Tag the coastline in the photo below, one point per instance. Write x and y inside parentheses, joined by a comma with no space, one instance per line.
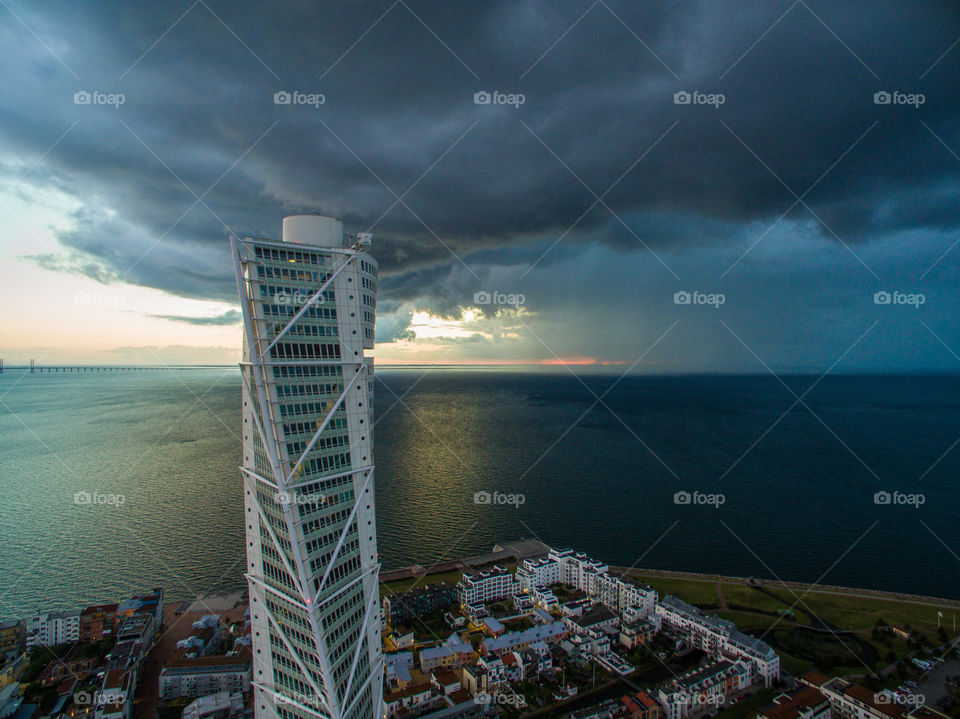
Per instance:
(526,548)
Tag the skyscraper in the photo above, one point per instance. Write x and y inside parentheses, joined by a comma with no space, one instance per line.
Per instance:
(312,565)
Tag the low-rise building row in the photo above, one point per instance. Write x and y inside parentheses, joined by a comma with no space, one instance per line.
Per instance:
(718,637)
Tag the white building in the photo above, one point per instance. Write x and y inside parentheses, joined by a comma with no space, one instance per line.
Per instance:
(593,632)
(849,700)
(453,653)
(512,641)
(706,687)
(222,705)
(542,572)
(308,306)
(189,675)
(578,571)
(477,588)
(718,637)
(544,598)
(49,629)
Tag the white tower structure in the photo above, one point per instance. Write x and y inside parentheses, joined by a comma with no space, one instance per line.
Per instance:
(312,565)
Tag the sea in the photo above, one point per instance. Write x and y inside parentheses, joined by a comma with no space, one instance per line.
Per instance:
(116,482)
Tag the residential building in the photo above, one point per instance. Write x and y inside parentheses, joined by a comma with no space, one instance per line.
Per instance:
(641,706)
(474,679)
(807,702)
(521,640)
(459,705)
(636,633)
(453,653)
(397,668)
(445,680)
(409,700)
(308,304)
(578,571)
(513,669)
(495,668)
(190,675)
(115,700)
(222,705)
(592,631)
(98,622)
(419,602)
(486,586)
(537,659)
(151,603)
(11,670)
(855,701)
(49,629)
(126,656)
(11,637)
(718,637)
(492,627)
(140,627)
(706,687)
(544,599)
(542,572)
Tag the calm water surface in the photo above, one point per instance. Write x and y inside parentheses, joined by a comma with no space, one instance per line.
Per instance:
(800,505)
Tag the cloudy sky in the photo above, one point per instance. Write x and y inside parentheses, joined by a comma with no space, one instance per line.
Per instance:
(664,186)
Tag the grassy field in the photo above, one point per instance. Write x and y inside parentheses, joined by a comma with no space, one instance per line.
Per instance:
(863,612)
(742,595)
(402,585)
(748,708)
(755,610)
(699,592)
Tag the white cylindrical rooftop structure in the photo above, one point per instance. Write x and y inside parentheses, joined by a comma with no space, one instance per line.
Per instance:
(313,230)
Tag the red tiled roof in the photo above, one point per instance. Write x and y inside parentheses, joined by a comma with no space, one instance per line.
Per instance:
(94,608)
(790,706)
(446,677)
(648,701)
(861,693)
(814,677)
(114,679)
(409,691)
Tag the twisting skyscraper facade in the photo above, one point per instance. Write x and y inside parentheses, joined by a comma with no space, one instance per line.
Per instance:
(312,566)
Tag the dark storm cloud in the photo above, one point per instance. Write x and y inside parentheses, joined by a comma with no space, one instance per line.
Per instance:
(230,317)
(199,150)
